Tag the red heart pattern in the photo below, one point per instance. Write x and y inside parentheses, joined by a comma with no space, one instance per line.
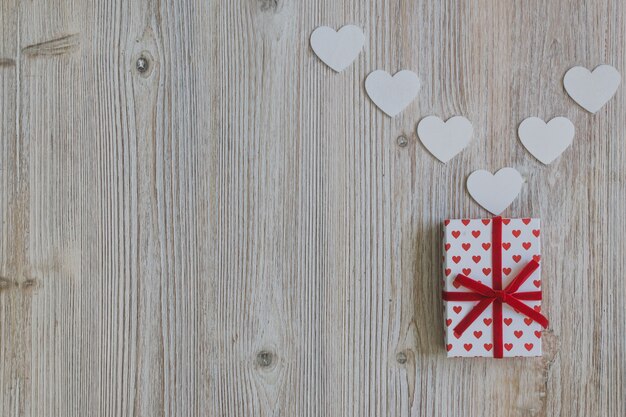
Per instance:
(467,250)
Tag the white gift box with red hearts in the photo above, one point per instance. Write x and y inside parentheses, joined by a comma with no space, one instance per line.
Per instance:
(468,251)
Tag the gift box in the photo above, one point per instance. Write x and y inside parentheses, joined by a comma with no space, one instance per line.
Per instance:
(492,287)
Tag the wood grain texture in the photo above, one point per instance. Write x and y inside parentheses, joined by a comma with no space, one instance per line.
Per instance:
(236,232)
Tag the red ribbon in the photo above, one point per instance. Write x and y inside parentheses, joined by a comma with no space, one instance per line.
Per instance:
(496,295)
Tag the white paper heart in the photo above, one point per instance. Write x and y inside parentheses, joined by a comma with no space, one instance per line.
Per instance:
(445,139)
(495,192)
(392,94)
(337,49)
(546,141)
(592,90)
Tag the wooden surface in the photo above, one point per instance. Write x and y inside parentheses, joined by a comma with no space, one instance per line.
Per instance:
(236,231)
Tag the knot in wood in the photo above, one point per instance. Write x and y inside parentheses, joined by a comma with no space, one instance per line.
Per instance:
(402,141)
(142,64)
(264,358)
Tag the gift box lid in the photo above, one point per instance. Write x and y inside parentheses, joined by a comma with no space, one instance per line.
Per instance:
(468,250)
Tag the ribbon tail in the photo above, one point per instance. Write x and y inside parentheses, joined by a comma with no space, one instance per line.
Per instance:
(472,315)
(527,311)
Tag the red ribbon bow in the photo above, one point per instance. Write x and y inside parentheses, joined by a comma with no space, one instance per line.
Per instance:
(496,295)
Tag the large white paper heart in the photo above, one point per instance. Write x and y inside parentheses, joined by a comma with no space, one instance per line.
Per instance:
(495,192)
(337,49)
(546,141)
(392,94)
(592,90)
(444,139)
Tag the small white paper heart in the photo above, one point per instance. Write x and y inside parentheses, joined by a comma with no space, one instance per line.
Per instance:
(337,49)
(592,90)
(495,192)
(445,139)
(546,141)
(392,94)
